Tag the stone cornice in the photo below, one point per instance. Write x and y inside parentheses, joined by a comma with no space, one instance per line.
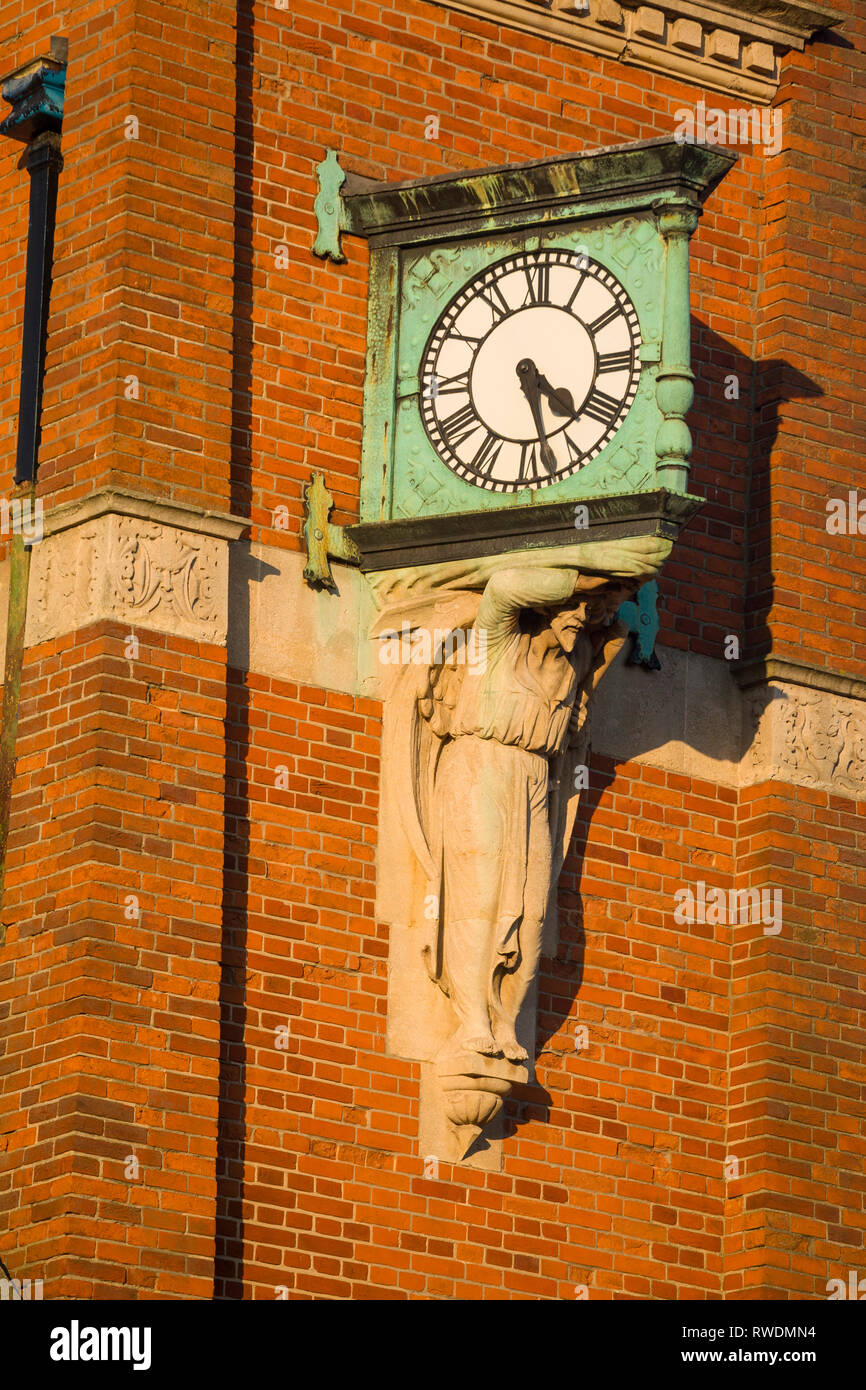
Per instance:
(732,47)
(776,21)
(181,515)
(768,669)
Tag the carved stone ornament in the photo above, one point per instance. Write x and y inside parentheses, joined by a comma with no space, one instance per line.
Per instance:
(490,666)
(158,570)
(134,565)
(812,738)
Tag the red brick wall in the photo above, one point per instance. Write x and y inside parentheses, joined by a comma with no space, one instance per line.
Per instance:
(110,1007)
(807,593)
(298,1167)
(796,1215)
(308,959)
(616,1184)
(144,248)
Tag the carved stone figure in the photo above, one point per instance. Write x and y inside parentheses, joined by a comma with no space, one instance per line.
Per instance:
(492,837)
(486,722)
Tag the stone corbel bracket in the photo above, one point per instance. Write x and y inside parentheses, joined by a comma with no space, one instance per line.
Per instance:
(428,576)
(128,558)
(730,46)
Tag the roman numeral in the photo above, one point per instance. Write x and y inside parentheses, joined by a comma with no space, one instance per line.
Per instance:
(604,319)
(537,283)
(581,276)
(574,454)
(493,296)
(601,407)
(530,459)
(449,385)
(485,460)
(614,362)
(464,338)
(458,427)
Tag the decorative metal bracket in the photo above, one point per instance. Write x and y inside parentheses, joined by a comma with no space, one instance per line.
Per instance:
(329,209)
(642,619)
(324,542)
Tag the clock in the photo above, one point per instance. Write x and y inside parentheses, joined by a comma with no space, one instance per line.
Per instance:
(530,370)
(528,340)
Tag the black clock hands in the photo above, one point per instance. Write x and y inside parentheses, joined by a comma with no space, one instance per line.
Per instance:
(527,375)
(560,401)
(534,385)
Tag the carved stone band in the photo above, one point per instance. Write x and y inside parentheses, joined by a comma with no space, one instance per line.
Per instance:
(127,558)
(811,738)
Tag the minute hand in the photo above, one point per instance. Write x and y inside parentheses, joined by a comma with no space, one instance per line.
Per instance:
(528,376)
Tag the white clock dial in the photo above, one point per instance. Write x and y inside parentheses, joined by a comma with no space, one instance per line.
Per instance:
(531,370)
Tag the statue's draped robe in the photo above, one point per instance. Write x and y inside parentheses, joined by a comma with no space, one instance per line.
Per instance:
(482,793)
(492,834)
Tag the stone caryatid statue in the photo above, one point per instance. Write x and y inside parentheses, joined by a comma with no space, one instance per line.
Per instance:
(492,667)
(495,831)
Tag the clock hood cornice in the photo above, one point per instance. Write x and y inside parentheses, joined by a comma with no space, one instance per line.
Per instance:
(392,545)
(618,177)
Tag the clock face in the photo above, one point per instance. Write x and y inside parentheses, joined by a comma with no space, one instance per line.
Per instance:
(530,371)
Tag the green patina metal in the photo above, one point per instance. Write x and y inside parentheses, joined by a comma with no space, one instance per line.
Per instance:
(329,208)
(612,180)
(632,208)
(641,618)
(470,535)
(421,485)
(380,384)
(674,378)
(323,541)
(36,93)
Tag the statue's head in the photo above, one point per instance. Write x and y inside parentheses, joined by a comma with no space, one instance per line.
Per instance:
(583,612)
(567,623)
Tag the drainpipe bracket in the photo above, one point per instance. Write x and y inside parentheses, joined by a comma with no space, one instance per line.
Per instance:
(36,93)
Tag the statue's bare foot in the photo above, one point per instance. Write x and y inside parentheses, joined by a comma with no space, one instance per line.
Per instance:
(479,1042)
(508,1044)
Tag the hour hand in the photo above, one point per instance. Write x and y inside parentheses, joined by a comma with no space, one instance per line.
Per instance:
(530,382)
(561,402)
